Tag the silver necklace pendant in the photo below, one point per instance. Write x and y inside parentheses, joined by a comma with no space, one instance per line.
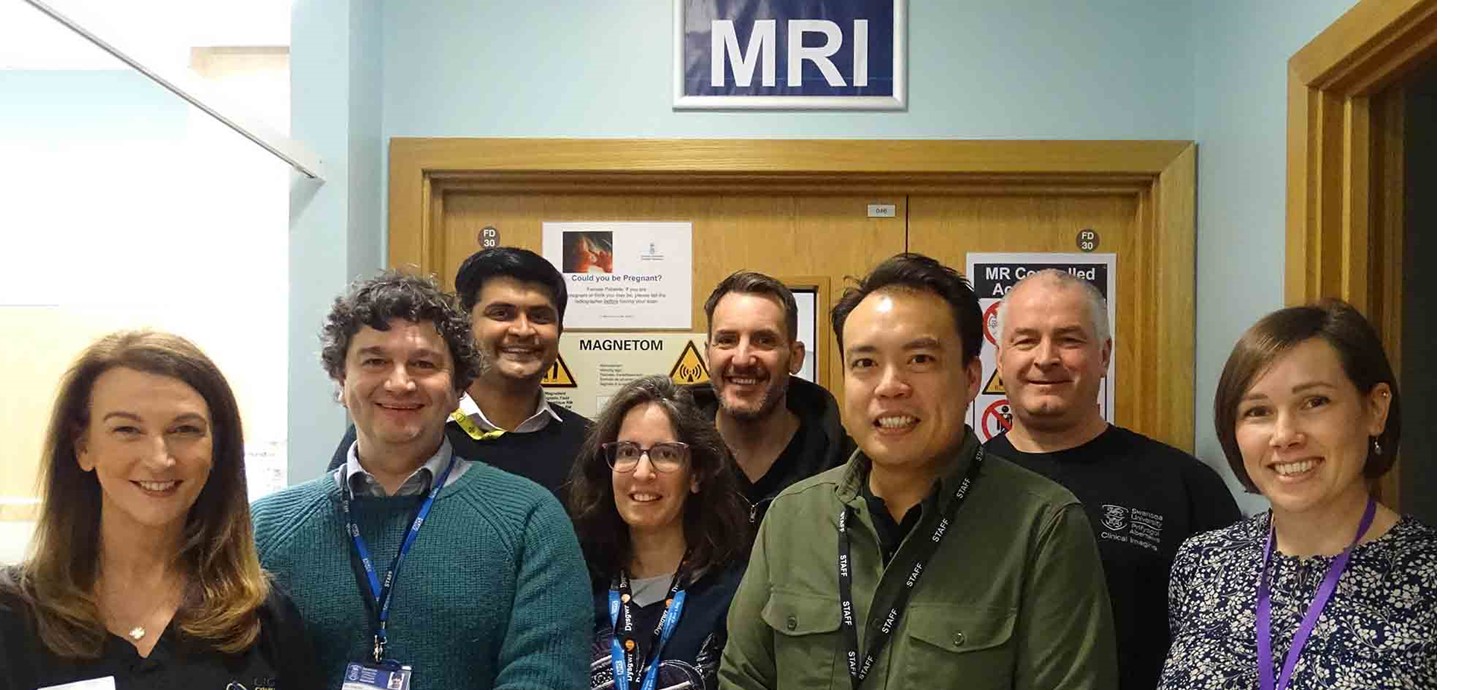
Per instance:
(137,633)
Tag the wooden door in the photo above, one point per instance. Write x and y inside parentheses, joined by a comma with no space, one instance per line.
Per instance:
(798,210)
(802,236)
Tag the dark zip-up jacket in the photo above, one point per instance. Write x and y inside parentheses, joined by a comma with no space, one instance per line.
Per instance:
(819,444)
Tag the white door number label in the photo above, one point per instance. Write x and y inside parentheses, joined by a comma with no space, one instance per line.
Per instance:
(881,210)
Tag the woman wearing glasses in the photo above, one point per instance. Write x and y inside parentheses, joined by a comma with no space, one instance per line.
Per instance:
(664,530)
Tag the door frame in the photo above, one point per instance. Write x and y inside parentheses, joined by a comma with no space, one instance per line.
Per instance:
(1160,174)
(1345,181)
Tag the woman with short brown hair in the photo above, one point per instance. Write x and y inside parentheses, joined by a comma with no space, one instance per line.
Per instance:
(1328,588)
(142,570)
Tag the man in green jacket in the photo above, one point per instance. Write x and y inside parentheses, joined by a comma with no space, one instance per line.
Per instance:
(923,562)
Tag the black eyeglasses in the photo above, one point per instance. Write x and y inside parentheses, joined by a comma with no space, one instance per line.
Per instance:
(623,456)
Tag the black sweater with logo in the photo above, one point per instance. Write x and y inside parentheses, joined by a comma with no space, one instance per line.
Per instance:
(1143,498)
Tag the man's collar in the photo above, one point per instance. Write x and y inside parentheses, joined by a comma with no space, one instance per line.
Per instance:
(537,420)
(859,468)
(433,467)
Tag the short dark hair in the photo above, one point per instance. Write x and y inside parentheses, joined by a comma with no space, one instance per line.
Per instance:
(716,519)
(509,262)
(915,272)
(752,283)
(393,295)
(1360,353)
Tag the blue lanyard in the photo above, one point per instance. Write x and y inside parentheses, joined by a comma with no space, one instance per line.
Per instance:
(645,677)
(383,590)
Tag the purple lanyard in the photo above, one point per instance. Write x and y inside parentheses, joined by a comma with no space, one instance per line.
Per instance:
(1310,620)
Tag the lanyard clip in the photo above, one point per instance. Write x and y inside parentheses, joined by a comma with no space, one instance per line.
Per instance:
(379,648)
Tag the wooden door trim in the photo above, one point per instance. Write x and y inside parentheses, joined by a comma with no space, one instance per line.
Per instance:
(1345,226)
(1160,174)
(1333,129)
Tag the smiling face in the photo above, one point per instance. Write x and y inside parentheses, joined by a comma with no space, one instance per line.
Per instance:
(398,389)
(650,501)
(906,386)
(516,326)
(751,356)
(1304,429)
(149,440)
(1050,358)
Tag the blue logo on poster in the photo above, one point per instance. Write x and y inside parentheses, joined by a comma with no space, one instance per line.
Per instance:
(790,48)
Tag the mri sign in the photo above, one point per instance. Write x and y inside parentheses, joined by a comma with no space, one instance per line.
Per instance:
(793,54)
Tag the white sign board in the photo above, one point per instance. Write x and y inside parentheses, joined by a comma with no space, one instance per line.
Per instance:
(992,275)
(806,311)
(591,367)
(623,275)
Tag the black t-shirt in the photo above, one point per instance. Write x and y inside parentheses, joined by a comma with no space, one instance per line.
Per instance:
(691,659)
(281,659)
(1143,498)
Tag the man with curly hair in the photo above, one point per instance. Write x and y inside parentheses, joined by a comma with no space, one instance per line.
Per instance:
(516,301)
(407,554)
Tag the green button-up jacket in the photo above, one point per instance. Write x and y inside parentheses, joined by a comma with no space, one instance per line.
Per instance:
(1014,596)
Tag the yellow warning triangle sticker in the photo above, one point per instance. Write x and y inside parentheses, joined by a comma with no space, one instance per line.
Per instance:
(558,376)
(995,386)
(691,366)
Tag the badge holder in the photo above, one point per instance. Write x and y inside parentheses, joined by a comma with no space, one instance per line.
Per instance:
(386,675)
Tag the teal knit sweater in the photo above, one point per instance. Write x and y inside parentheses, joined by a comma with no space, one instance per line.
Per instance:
(494,593)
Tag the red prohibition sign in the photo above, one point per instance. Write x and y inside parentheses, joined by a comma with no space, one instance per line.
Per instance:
(990,319)
(997,418)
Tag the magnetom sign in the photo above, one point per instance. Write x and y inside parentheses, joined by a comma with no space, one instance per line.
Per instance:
(792,54)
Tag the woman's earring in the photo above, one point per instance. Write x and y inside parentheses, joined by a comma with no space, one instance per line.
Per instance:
(1377,449)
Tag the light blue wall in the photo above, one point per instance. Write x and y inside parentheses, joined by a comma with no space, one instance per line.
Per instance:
(1242,49)
(1116,69)
(1209,70)
(335,227)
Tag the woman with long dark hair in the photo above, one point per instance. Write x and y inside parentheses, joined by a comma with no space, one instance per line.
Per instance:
(142,571)
(664,529)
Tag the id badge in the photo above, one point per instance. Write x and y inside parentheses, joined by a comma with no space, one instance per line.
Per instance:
(387,676)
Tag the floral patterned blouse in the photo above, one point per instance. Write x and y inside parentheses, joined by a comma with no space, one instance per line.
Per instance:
(1377,632)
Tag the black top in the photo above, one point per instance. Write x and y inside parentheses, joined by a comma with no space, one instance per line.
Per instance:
(890,533)
(1143,498)
(819,444)
(691,659)
(281,659)
(545,456)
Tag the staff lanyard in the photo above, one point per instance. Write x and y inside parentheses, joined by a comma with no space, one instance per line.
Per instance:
(629,674)
(381,591)
(860,666)
(1310,620)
